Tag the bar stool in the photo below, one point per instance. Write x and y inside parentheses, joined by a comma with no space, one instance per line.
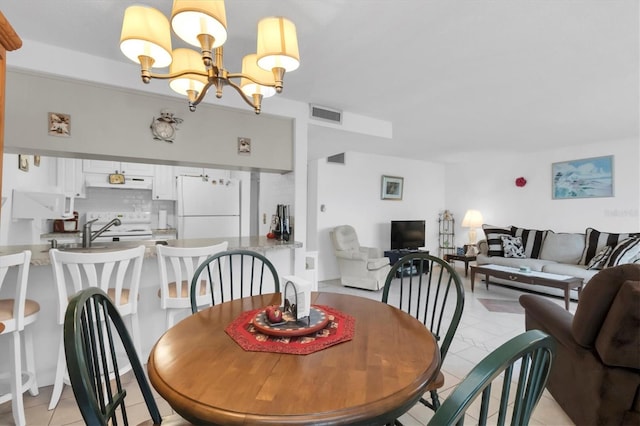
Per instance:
(176,266)
(15,314)
(117,273)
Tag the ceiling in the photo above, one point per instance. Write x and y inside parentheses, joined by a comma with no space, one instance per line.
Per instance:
(454,78)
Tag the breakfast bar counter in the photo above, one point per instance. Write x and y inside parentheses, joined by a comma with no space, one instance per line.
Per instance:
(286,256)
(40,252)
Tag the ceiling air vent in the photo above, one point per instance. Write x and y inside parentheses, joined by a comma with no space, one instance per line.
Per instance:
(338,158)
(326,114)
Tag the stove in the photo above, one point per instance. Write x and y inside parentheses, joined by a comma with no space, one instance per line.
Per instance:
(136,226)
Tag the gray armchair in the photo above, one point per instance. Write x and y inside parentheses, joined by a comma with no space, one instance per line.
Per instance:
(362,267)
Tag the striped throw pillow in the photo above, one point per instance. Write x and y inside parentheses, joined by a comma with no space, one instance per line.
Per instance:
(625,252)
(493,234)
(532,240)
(599,261)
(596,240)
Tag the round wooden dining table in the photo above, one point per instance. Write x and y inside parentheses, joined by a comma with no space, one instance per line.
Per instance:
(371,379)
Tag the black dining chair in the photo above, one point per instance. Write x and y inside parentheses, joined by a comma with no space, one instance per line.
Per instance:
(94,337)
(429,289)
(523,363)
(234,274)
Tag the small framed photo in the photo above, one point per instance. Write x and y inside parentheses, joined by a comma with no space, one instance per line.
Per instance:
(59,124)
(36,160)
(392,187)
(244,146)
(23,162)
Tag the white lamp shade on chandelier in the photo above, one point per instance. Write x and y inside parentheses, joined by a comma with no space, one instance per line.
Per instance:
(187,59)
(250,67)
(145,32)
(190,18)
(146,39)
(277,44)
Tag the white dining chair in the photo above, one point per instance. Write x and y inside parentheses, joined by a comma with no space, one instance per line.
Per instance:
(176,266)
(117,273)
(15,315)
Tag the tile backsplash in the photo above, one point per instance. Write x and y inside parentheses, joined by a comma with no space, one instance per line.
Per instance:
(124,200)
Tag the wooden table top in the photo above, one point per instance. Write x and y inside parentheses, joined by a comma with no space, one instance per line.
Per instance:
(372,379)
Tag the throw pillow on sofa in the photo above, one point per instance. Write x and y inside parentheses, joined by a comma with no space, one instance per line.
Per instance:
(595,240)
(600,260)
(532,240)
(626,251)
(512,246)
(493,234)
(562,247)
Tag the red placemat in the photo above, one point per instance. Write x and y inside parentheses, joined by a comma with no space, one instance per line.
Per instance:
(339,329)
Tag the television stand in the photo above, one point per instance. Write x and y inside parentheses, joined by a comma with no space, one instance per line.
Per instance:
(396,254)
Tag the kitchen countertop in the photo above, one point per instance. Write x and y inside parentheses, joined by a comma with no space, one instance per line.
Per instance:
(78,234)
(40,252)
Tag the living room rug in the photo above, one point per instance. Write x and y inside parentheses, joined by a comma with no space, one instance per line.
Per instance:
(506,306)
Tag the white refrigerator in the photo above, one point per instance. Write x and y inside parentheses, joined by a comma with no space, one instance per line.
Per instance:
(208,208)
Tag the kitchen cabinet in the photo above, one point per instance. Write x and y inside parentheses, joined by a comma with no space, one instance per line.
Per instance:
(164,183)
(70,177)
(102,166)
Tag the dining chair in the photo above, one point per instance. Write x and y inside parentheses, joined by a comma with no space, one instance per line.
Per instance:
(15,315)
(234,274)
(93,333)
(117,273)
(523,363)
(429,289)
(176,266)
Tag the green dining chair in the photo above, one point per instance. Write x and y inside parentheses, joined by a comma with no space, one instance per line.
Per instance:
(429,289)
(234,274)
(523,363)
(94,334)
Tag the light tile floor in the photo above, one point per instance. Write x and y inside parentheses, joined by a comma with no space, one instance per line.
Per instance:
(480,332)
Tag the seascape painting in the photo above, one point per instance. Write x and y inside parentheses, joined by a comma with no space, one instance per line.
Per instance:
(585,178)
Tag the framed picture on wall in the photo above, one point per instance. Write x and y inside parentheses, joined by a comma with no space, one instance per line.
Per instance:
(392,187)
(584,178)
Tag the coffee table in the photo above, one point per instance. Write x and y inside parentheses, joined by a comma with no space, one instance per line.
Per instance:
(563,282)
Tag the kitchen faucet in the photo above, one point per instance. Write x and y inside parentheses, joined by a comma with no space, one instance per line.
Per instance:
(88,236)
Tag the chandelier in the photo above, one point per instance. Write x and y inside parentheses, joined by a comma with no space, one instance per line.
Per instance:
(146,39)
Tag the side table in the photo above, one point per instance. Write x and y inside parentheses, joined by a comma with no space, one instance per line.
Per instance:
(462,258)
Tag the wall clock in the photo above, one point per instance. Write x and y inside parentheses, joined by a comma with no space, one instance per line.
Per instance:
(164,128)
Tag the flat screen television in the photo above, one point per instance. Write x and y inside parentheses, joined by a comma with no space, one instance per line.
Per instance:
(407,234)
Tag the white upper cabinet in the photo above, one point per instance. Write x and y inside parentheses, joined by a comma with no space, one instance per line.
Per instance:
(102,166)
(70,177)
(164,183)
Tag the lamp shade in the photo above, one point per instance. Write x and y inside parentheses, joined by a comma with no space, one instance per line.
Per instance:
(250,67)
(472,219)
(145,32)
(277,44)
(190,18)
(183,60)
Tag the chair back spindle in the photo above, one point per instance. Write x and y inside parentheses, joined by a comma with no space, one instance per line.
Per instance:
(234,274)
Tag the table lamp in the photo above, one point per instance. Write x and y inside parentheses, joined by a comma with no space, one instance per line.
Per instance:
(472,220)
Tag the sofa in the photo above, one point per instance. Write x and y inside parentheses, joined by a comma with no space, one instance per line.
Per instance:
(580,255)
(595,375)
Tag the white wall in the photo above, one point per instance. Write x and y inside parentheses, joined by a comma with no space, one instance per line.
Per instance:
(488,185)
(351,195)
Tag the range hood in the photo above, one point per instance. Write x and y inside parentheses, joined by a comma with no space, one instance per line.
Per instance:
(130,182)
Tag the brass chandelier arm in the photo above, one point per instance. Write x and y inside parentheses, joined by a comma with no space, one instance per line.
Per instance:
(255,103)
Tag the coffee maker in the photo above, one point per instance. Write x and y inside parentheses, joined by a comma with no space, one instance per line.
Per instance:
(283,226)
